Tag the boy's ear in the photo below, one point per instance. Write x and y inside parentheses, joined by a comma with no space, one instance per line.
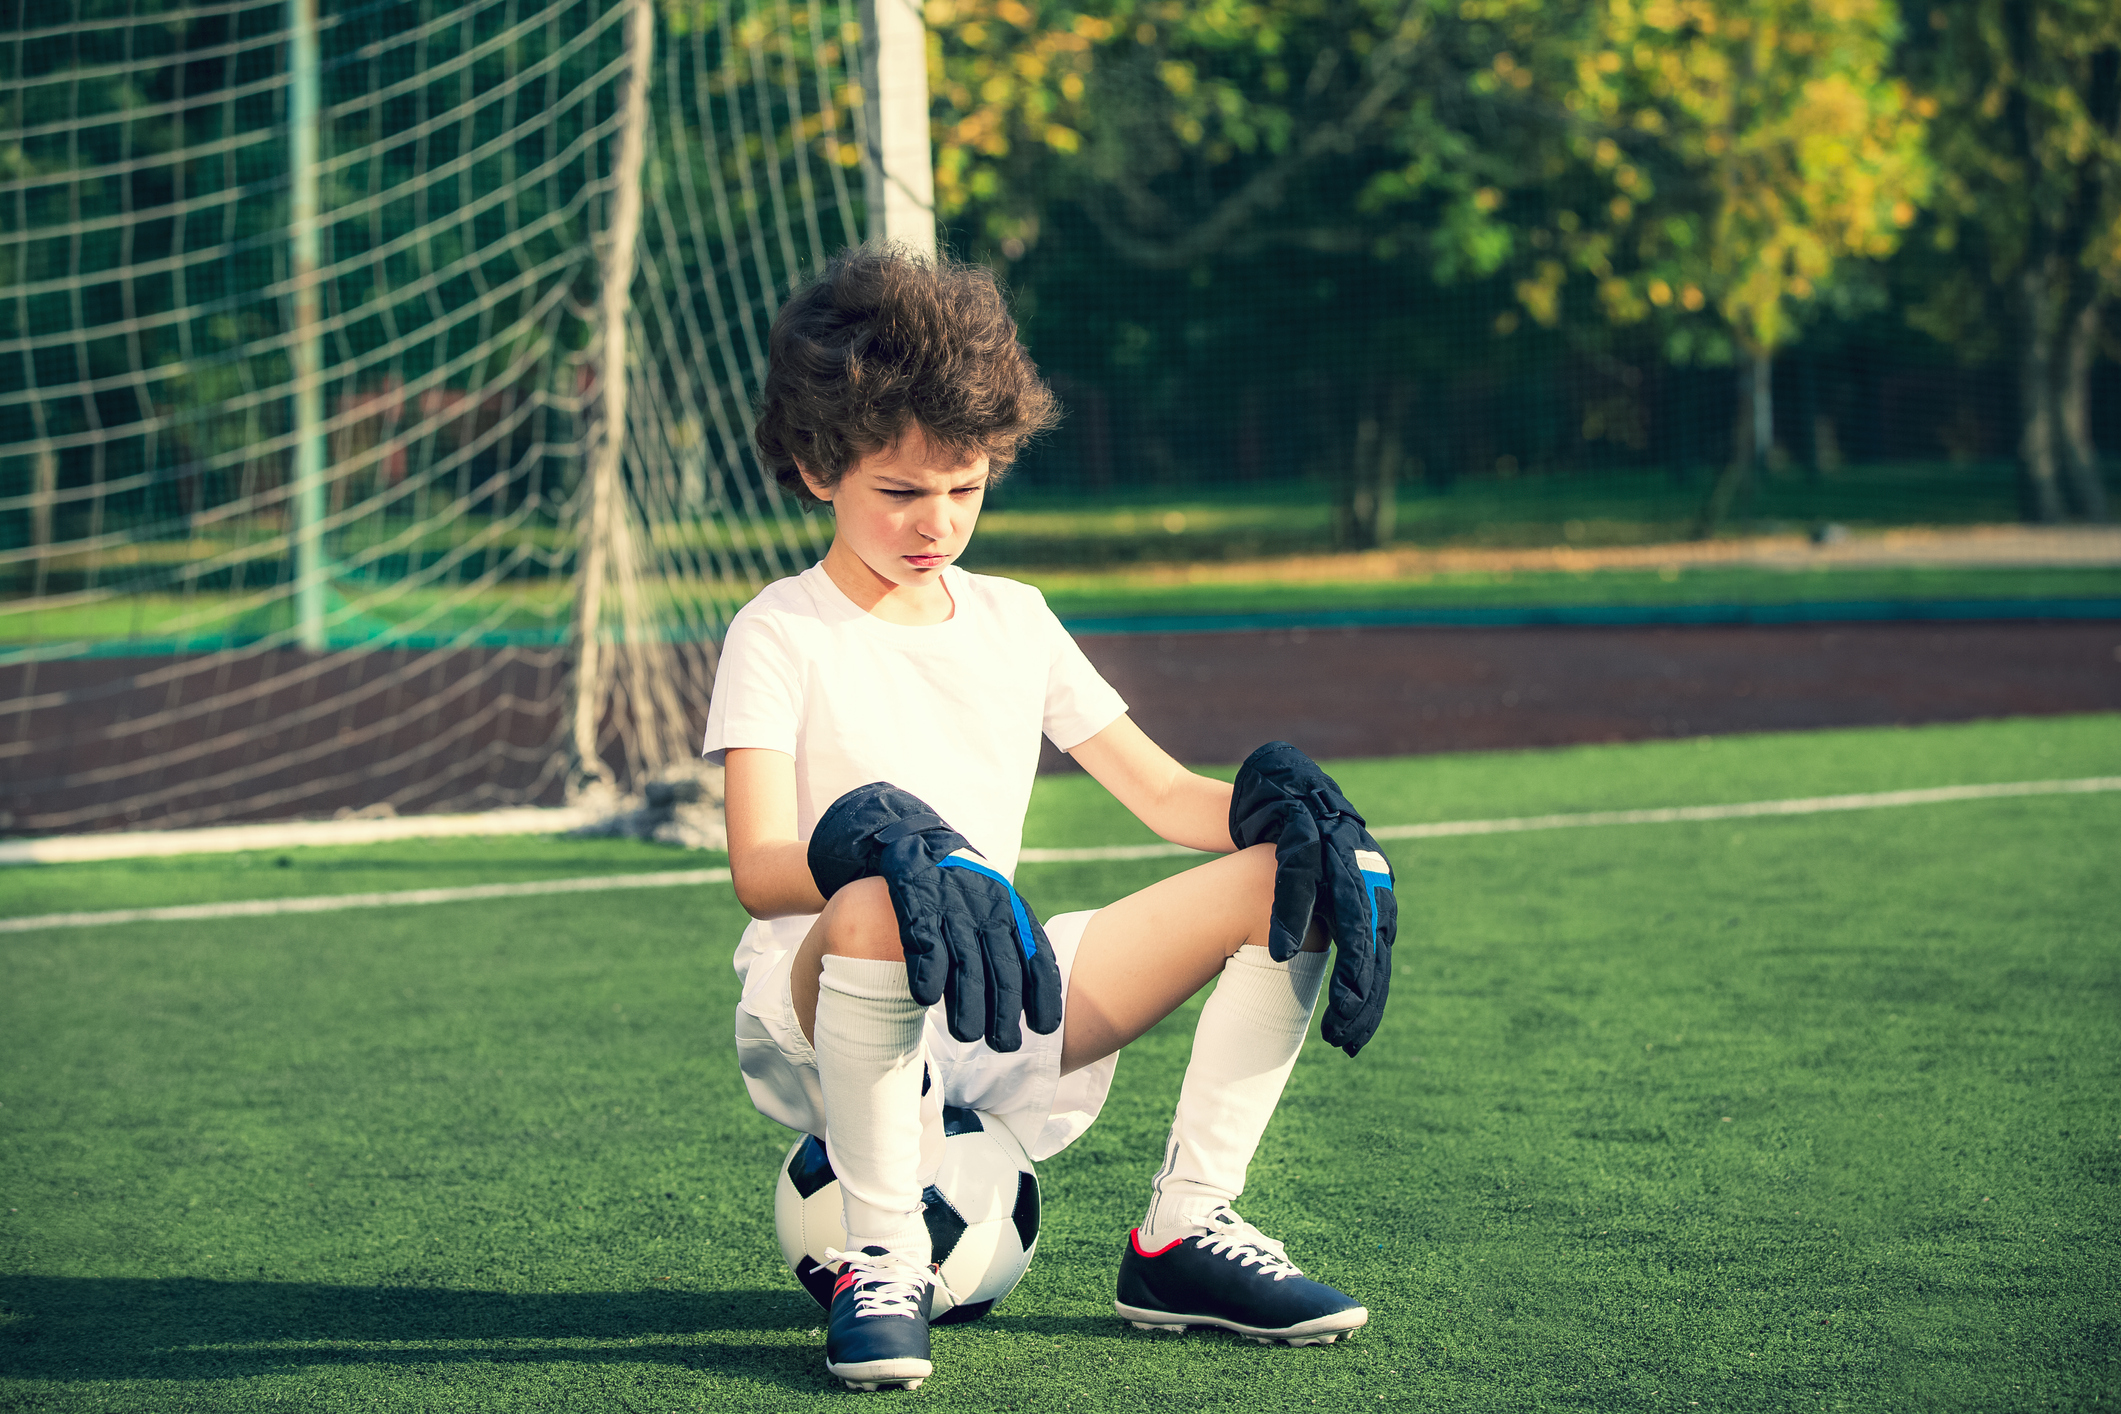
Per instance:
(817,488)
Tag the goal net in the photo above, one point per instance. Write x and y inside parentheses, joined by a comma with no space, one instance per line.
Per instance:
(375,389)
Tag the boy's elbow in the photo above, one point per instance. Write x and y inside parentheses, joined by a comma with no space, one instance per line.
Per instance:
(765,888)
(743,878)
(751,895)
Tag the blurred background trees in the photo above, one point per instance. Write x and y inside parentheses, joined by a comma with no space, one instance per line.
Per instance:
(2029,159)
(1751,154)
(1393,243)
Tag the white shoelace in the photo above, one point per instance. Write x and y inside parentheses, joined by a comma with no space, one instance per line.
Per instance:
(889,1285)
(1228,1234)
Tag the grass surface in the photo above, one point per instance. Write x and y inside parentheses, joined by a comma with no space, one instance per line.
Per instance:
(1085,550)
(350,869)
(1779,1114)
(1081,596)
(536,612)
(1028,525)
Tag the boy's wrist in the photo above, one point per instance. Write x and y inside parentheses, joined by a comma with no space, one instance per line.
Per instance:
(855,830)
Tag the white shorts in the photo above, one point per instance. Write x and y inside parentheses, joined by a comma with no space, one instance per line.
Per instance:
(1044,1109)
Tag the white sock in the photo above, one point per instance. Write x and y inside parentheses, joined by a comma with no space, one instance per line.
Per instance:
(870,1061)
(1250,1031)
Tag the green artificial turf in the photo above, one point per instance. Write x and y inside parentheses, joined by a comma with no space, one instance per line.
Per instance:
(330,869)
(1072,809)
(1407,790)
(1803,1113)
(1026,523)
(1082,597)
(155,623)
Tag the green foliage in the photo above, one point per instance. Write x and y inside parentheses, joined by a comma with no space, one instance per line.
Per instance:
(1194,133)
(2028,97)
(96,130)
(1748,152)
(454,247)
(2029,150)
(1453,238)
(1687,156)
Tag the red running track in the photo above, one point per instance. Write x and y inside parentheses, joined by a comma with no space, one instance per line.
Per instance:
(134,743)
(1212,697)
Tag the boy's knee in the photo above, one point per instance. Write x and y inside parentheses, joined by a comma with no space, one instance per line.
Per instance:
(860,922)
(1259,862)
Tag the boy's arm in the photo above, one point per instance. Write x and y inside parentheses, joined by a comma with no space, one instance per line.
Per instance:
(1181,807)
(768,864)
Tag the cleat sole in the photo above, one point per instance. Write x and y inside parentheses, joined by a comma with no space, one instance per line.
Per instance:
(902,1373)
(1324,1330)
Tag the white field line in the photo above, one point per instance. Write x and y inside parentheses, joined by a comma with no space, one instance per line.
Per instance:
(1808,805)
(1442,829)
(226,839)
(328,903)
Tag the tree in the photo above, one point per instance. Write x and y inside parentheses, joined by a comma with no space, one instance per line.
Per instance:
(1008,80)
(1732,160)
(1284,142)
(2028,141)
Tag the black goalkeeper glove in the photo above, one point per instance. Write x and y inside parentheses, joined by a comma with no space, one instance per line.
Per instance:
(971,941)
(1325,862)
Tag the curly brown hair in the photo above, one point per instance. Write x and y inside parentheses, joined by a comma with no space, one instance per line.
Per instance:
(886,338)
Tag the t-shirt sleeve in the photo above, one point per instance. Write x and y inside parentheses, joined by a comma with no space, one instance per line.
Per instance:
(1079,702)
(758,695)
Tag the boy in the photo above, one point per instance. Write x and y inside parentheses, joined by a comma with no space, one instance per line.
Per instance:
(879,717)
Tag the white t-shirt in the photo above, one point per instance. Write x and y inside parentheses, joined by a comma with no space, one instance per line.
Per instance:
(951,712)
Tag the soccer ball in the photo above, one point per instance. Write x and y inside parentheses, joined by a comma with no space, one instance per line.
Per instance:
(982,1214)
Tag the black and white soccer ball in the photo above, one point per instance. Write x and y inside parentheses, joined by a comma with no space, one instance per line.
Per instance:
(982,1214)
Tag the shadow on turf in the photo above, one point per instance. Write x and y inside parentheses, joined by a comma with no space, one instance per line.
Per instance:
(110,1328)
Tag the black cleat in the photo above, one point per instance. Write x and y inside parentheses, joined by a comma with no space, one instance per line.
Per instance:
(879,1331)
(1233,1276)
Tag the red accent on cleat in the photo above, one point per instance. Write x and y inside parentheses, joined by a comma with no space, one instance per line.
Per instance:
(847,1279)
(1135,1237)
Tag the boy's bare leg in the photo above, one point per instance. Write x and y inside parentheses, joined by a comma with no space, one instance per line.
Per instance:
(1139,960)
(1142,957)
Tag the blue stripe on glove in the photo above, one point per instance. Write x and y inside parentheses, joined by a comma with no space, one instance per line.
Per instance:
(1327,865)
(1016,900)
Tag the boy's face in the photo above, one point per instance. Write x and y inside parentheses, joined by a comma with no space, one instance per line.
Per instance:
(906,511)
